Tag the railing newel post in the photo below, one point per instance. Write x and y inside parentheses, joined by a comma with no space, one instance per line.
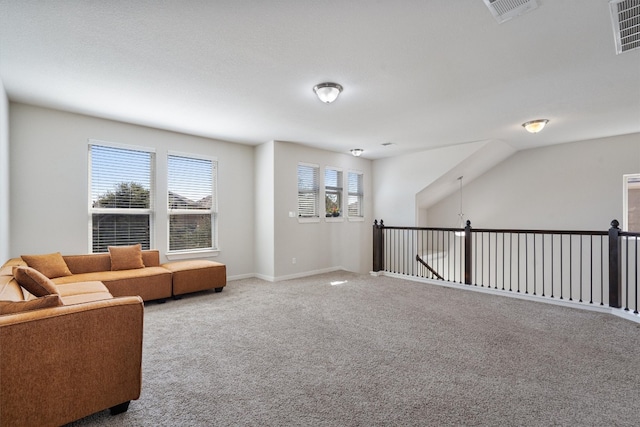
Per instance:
(378,246)
(615,265)
(467,253)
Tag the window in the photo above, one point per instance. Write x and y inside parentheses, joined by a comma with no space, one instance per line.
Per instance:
(121,199)
(333,192)
(192,202)
(631,203)
(355,190)
(308,190)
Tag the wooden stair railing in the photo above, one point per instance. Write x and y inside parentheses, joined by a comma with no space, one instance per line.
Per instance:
(431,270)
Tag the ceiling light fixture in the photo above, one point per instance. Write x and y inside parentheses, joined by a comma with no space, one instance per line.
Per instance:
(535,126)
(357,152)
(327,92)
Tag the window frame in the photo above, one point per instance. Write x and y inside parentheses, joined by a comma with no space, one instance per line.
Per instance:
(339,191)
(214,250)
(627,179)
(150,212)
(315,191)
(356,218)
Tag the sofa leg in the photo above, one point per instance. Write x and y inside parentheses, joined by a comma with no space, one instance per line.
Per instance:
(177,297)
(161,301)
(218,289)
(119,409)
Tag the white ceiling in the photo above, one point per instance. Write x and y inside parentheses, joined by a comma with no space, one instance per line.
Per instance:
(418,73)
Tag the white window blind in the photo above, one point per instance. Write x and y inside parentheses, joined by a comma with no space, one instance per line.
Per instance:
(355,196)
(333,192)
(192,202)
(308,190)
(121,199)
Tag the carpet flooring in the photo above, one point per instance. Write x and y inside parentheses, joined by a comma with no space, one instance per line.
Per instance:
(342,349)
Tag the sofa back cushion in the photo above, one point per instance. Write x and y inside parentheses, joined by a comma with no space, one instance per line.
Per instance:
(89,263)
(51,265)
(126,257)
(34,282)
(10,290)
(92,263)
(151,258)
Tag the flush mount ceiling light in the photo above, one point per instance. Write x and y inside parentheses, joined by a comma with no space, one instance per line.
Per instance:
(535,126)
(357,152)
(327,92)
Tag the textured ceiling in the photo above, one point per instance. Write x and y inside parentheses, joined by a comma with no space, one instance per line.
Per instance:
(418,73)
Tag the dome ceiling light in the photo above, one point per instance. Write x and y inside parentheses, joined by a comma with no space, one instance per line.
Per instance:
(357,152)
(535,126)
(327,92)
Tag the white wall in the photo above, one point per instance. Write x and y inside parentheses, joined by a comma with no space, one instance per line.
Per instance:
(323,245)
(264,211)
(575,186)
(397,180)
(49,183)
(4,175)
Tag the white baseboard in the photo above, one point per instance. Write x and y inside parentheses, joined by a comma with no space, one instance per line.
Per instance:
(287,277)
(629,315)
(240,277)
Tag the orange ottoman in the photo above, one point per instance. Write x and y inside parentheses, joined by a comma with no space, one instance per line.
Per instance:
(196,275)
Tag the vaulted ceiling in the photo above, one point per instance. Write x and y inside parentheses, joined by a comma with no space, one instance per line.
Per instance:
(418,74)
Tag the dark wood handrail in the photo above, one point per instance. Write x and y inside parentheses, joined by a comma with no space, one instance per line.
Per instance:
(420,260)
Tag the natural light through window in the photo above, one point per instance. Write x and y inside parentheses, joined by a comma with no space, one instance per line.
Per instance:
(192,202)
(121,195)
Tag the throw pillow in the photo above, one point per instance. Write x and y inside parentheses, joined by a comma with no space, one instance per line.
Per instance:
(33,281)
(47,301)
(51,265)
(126,257)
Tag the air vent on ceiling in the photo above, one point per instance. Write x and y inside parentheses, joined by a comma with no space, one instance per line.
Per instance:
(625,16)
(503,10)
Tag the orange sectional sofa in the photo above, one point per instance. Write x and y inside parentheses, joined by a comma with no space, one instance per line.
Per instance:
(63,358)
(71,329)
(132,272)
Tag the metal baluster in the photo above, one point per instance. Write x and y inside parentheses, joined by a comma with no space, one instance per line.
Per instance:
(571,268)
(591,270)
(636,252)
(626,286)
(552,265)
(535,267)
(543,265)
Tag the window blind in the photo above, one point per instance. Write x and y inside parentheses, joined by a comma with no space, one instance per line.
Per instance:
(355,194)
(121,196)
(192,202)
(333,191)
(308,190)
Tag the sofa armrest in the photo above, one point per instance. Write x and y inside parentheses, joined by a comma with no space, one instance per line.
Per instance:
(64,363)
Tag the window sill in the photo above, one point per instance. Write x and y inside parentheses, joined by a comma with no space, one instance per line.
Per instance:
(207,253)
(304,220)
(334,219)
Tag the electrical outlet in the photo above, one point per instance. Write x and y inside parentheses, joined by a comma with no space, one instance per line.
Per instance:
(293,260)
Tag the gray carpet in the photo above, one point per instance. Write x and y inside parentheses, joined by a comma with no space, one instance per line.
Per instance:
(379,351)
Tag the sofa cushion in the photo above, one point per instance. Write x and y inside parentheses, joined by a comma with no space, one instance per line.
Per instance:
(47,301)
(77,288)
(150,282)
(35,282)
(126,257)
(10,289)
(51,265)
